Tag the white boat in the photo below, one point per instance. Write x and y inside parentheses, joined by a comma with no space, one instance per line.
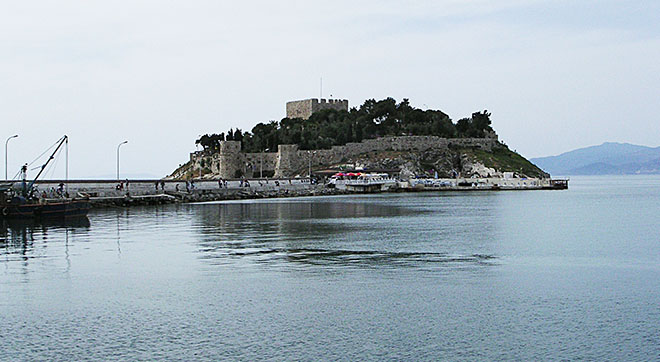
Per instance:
(363,182)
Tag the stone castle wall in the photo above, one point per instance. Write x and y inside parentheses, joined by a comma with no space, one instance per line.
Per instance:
(294,160)
(288,161)
(304,108)
(230,162)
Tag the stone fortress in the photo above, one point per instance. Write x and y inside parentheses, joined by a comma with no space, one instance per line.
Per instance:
(304,108)
(289,161)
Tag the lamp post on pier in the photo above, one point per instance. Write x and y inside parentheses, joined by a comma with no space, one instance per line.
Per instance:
(261,163)
(249,166)
(309,166)
(6,142)
(199,155)
(119,145)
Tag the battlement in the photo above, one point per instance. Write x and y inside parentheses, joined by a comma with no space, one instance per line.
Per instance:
(304,108)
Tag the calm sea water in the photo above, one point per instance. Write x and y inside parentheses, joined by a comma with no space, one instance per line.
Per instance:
(524,275)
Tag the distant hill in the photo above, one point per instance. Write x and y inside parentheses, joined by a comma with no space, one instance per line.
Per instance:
(610,158)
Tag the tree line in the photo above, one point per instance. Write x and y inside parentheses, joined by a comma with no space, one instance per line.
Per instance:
(372,119)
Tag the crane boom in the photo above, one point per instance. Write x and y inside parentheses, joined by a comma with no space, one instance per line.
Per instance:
(62,140)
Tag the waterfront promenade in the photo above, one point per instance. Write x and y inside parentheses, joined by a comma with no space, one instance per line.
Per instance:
(147,191)
(157,191)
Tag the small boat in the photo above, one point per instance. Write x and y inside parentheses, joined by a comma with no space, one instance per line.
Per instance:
(22,202)
(20,208)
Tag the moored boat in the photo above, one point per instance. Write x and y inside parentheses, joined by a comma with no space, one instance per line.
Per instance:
(41,209)
(21,201)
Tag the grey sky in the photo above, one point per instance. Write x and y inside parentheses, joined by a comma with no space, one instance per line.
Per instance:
(556,75)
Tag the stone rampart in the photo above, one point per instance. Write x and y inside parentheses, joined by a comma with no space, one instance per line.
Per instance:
(292,160)
(288,161)
(255,163)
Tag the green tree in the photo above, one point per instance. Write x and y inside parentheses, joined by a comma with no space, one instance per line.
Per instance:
(372,119)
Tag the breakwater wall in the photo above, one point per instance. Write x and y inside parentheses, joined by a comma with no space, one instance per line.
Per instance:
(111,188)
(145,192)
(140,192)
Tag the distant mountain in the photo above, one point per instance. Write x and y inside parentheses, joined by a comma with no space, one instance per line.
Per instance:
(610,158)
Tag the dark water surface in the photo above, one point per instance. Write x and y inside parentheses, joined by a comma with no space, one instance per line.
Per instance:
(461,276)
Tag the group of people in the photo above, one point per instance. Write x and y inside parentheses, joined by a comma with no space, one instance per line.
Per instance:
(120,185)
(58,192)
(222,184)
(190,184)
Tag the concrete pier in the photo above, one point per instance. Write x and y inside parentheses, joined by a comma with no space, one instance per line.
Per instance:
(145,192)
(112,188)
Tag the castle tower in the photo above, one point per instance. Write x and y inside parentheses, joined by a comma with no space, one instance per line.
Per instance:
(287,157)
(229,158)
(304,108)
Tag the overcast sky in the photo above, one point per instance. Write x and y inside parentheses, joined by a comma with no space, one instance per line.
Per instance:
(556,75)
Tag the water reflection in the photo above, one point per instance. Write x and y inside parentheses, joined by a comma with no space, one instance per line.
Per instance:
(69,222)
(19,237)
(368,258)
(237,222)
(321,233)
(313,233)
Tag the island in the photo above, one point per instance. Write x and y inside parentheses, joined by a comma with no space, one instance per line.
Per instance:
(323,147)
(320,138)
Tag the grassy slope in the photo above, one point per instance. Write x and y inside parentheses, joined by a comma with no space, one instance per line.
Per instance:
(185,169)
(503,159)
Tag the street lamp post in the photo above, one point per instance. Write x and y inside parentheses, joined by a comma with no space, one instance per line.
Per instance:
(119,145)
(261,163)
(309,166)
(6,142)
(200,157)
